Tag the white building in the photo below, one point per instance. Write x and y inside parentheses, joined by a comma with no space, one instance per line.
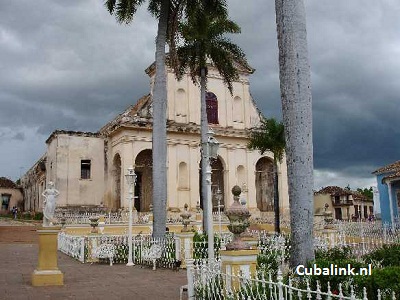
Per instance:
(88,168)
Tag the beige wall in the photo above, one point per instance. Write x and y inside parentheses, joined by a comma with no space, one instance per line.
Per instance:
(16,199)
(33,183)
(64,156)
(184,148)
(236,111)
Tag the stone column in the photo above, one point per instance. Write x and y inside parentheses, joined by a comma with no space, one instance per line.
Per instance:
(47,272)
(184,247)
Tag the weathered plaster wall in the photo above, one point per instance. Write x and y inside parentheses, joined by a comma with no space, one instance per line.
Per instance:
(65,153)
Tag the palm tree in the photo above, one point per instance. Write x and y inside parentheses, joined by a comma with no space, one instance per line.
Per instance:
(295,85)
(270,136)
(202,40)
(124,10)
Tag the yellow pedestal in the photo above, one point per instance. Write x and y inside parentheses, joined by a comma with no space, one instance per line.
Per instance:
(238,262)
(47,272)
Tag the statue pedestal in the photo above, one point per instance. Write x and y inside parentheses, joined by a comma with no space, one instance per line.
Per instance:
(238,262)
(47,272)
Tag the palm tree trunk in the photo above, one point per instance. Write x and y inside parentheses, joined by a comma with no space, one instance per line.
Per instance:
(203,133)
(276,198)
(296,100)
(160,128)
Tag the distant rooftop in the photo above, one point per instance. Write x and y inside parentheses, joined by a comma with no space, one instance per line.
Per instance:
(7,183)
(393,167)
(71,132)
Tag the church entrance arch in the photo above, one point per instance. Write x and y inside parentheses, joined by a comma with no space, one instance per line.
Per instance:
(116,200)
(217,182)
(265,184)
(144,180)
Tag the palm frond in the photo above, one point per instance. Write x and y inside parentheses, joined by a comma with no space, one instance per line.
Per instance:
(123,10)
(269,136)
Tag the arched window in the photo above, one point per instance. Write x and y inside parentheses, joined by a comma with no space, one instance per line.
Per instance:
(265,184)
(212,108)
(237,110)
(241,176)
(180,103)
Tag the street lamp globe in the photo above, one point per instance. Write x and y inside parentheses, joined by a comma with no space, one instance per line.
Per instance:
(213,145)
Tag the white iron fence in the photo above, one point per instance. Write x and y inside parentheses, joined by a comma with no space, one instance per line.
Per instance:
(207,281)
(73,246)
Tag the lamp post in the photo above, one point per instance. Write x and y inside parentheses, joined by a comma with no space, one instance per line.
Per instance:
(212,152)
(131,180)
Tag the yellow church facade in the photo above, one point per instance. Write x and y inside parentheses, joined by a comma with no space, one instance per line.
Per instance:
(88,168)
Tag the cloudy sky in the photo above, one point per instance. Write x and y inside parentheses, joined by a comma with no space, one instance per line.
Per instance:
(69,65)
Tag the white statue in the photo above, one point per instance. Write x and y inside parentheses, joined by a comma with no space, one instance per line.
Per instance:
(50,197)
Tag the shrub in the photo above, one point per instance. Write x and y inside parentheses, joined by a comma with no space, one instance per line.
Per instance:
(200,246)
(388,255)
(387,280)
(38,216)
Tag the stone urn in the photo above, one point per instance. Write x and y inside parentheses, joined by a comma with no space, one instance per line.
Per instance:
(238,216)
(185,218)
(328,220)
(94,222)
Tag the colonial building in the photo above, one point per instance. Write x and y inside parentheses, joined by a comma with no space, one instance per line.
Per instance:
(88,168)
(10,194)
(343,203)
(388,180)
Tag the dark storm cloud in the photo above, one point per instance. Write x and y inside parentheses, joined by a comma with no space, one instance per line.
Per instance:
(69,65)
(354,51)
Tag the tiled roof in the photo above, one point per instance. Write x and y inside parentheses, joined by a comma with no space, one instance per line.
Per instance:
(7,183)
(394,167)
(334,191)
(338,191)
(393,175)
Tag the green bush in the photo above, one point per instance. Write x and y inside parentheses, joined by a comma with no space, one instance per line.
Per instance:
(388,255)
(387,280)
(38,216)
(200,246)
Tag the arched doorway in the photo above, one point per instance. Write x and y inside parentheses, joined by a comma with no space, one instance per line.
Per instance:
(116,200)
(144,180)
(265,184)
(217,181)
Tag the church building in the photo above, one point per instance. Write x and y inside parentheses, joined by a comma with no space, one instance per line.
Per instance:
(88,168)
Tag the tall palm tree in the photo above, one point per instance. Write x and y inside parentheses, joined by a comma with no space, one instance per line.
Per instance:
(270,136)
(124,11)
(202,40)
(295,85)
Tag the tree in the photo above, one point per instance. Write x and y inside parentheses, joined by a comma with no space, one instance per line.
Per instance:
(270,136)
(202,40)
(124,10)
(295,85)
(369,193)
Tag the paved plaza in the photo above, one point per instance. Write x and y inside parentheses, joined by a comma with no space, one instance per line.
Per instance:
(19,255)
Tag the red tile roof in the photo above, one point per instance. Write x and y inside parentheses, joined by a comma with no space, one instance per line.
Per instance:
(7,183)
(393,167)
